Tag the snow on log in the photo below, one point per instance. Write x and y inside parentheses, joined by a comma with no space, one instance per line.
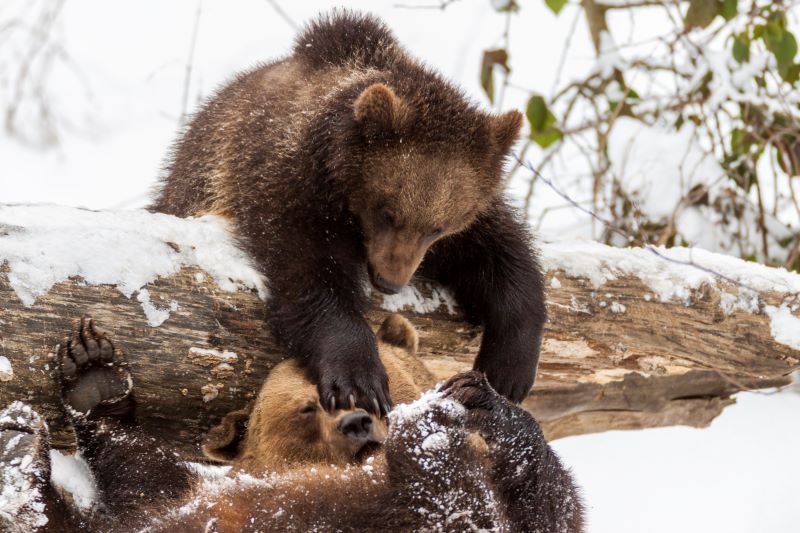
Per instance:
(633,340)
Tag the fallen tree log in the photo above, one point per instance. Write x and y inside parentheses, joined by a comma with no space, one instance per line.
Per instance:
(633,340)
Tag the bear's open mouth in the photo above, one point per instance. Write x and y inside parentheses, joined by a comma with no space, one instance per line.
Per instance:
(366,450)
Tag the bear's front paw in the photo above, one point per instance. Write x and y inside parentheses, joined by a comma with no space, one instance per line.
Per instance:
(473,391)
(509,369)
(348,382)
(93,374)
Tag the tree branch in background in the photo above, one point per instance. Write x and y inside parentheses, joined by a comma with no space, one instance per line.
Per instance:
(187,79)
(282,14)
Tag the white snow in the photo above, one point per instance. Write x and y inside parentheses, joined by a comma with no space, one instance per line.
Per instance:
(784,325)
(735,476)
(71,474)
(155,316)
(658,179)
(668,280)
(411,297)
(617,308)
(6,372)
(21,501)
(47,244)
(416,409)
(609,57)
(216,354)
(436,441)
(207,471)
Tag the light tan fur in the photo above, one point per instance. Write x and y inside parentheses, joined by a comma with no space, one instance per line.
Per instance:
(288,426)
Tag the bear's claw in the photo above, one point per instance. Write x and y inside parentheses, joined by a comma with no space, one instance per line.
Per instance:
(93,372)
(344,388)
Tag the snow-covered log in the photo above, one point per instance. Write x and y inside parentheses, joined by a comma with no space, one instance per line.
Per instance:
(633,340)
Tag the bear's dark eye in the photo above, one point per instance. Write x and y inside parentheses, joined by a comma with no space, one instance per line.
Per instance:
(307,409)
(386,218)
(437,232)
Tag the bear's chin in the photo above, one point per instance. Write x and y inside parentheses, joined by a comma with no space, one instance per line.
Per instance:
(367,450)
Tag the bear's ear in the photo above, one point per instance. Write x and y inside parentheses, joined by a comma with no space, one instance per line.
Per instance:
(398,331)
(505,129)
(222,442)
(380,109)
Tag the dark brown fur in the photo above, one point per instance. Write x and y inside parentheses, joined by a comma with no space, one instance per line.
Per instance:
(350,159)
(428,476)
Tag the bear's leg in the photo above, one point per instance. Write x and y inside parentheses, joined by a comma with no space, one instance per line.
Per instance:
(317,312)
(132,469)
(27,500)
(538,493)
(437,481)
(496,278)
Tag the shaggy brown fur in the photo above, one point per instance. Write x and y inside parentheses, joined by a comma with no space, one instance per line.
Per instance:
(349,159)
(427,476)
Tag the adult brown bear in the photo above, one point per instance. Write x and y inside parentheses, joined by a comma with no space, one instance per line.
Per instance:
(459,459)
(350,160)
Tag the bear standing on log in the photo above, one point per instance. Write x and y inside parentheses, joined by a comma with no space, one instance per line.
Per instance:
(350,159)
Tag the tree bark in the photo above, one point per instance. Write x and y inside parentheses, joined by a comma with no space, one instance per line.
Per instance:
(614,357)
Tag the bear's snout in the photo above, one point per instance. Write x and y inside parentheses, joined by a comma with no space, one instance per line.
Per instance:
(383,285)
(357,426)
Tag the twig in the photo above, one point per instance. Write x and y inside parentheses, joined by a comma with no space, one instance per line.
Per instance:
(282,14)
(187,79)
(567,42)
(632,240)
(442,5)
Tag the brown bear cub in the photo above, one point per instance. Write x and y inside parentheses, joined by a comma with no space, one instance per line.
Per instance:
(299,468)
(350,160)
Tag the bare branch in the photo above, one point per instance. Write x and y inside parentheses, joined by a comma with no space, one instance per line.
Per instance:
(187,79)
(282,14)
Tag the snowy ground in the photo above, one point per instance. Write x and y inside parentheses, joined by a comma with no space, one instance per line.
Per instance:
(119,99)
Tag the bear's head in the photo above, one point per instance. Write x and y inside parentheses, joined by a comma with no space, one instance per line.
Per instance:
(288,427)
(430,164)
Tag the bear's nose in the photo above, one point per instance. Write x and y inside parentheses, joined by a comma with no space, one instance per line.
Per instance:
(386,287)
(356,426)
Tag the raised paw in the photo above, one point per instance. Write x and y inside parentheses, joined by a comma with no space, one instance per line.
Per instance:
(345,384)
(93,374)
(472,390)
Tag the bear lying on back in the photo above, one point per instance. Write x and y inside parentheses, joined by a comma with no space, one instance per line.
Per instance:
(298,468)
(349,160)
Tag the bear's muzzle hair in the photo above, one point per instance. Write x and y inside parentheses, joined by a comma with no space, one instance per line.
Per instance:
(393,259)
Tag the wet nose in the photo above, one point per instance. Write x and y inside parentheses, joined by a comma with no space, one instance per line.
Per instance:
(386,287)
(356,426)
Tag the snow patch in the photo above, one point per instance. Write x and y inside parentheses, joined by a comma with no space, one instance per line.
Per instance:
(410,296)
(208,472)
(435,441)
(47,244)
(155,316)
(418,408)
(6,371)
(71,474)
(21,501)
(617,308)
(784,325)
(216,355)
(668,280)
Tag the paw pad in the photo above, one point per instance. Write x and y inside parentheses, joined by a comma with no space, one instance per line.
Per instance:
(92,370)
